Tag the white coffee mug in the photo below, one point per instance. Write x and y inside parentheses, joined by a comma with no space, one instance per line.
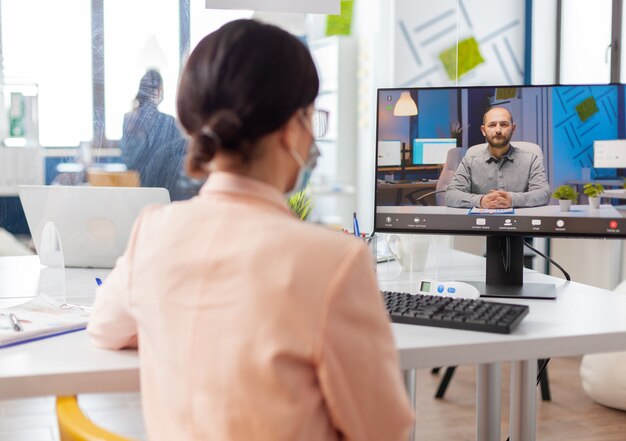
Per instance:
(410,250)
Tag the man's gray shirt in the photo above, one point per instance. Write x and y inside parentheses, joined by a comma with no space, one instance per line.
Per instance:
(519,172)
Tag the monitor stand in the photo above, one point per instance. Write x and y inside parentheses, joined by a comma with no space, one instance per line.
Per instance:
(505,269)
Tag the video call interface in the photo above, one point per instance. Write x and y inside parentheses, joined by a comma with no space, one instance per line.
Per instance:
(581,137)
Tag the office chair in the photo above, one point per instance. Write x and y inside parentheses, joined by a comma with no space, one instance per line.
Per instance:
(75,426)
(453,159)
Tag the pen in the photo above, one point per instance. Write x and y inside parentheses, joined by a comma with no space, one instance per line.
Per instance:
(15,322)
(98,281)
(355,221)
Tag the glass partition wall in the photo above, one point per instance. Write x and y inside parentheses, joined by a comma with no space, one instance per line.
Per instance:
(69,79)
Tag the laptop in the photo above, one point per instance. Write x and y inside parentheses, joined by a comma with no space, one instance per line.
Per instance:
(93,223)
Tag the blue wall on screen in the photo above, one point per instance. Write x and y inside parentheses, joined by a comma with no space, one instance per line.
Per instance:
(437,109)
(573,138)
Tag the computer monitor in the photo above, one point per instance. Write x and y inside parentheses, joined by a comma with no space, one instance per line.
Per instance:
(389,153)
(430,151)
(609,153)
(564,121)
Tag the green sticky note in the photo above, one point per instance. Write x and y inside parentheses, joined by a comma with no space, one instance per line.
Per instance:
(587,108)
(389,107)
(469,58)
(506,93)
(340,24)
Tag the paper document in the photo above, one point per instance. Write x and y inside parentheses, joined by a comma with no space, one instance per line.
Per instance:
(39,318)
(476,210)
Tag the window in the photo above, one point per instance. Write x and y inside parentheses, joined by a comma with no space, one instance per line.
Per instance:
(52,49)
(585,38)
(204,21)
(138,35)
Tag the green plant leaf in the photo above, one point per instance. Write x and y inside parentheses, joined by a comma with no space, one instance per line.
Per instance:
(565,192)
(301,203)
(593,190)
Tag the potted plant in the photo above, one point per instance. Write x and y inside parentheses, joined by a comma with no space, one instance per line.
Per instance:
(565,195)
(593,191)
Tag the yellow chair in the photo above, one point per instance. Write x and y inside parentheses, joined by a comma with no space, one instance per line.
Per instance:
(75,426)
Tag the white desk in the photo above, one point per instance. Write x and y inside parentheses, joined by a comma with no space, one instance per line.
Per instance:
(619,193)
(582,320)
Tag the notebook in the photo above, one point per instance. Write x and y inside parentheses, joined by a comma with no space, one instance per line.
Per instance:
(39,318)
(93,223)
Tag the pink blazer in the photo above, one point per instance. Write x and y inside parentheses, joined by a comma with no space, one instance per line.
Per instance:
(251,324)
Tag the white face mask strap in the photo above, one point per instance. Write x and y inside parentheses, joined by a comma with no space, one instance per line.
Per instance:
(296,156)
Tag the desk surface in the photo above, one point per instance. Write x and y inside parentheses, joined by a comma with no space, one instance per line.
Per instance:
(413,184)
(618,193)
(582,320)
(604,182)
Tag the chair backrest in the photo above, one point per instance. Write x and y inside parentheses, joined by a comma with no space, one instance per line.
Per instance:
(522,145)
(447,173)
(74,425)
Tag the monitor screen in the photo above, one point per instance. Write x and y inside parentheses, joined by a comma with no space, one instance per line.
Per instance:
(558,133)
(609,153)
(431,150)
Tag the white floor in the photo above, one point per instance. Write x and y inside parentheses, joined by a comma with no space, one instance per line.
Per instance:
(33,419)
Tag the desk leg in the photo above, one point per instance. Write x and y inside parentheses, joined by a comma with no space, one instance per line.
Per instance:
(523,400)
(409,383)
(488,402)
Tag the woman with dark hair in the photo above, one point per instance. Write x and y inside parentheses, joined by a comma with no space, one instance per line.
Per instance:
(251,324)
(152,143)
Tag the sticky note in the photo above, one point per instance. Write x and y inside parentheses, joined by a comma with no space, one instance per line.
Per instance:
(587,108)
(340,24)
(469,58)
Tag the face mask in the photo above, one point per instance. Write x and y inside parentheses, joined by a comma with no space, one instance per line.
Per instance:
(306,168)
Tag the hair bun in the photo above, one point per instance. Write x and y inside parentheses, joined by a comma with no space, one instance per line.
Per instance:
(227,127)
(223,130)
